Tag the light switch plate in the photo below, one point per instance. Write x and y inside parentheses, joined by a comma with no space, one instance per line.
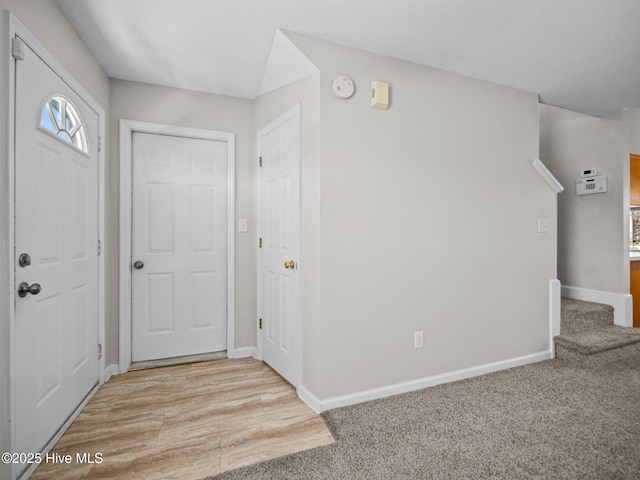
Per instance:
(243,225)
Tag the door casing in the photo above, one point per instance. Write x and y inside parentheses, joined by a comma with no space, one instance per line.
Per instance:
(13,28)
(127,127)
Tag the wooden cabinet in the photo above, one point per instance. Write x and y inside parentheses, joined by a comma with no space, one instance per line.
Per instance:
(635,292)
(634,164)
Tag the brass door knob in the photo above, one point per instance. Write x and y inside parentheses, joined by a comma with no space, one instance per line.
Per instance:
(290,264)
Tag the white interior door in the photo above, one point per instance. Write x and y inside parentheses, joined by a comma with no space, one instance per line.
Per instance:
(56,241)
(279,270)
(179,246)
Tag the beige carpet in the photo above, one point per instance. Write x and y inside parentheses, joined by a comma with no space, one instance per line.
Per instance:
(559,419)
(587,328)
(578,315)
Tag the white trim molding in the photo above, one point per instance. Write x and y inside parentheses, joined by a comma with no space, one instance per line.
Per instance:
(547,176)
(313,402)
(245,352)
(555,303)
(127,127)
(110,371)
(622,303)
(320,406)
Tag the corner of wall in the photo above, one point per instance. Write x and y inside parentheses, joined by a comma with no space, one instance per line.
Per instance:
(591,228)
(286,64)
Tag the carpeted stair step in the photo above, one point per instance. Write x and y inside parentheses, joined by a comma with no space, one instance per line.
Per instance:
(578,315)
(595,340)
(586,328)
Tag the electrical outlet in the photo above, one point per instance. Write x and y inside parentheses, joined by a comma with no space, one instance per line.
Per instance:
(418,339)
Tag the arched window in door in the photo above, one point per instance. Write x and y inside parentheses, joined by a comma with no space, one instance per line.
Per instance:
(60,117)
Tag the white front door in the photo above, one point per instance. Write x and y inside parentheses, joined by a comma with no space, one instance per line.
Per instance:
(56,253)
(279,227)
(179,246)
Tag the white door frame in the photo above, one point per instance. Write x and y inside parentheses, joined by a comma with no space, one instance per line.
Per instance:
(293,111)
(127,127)
(13,28)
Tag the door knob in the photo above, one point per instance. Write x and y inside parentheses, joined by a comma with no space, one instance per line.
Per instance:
(290,264)
(24,288)
(138,265)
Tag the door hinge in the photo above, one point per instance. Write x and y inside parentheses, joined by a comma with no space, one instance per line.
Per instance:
(260,243)
(99,248)
(260,324)
(99,144)
(17,48)
(99,351)
(260,161)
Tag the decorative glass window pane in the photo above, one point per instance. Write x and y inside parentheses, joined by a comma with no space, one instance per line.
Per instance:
(60,117)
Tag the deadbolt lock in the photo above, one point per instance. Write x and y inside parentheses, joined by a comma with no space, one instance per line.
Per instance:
(24,260)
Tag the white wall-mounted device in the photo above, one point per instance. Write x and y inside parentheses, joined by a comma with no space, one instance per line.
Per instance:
(379,95)
(588,172)
(343,86)
(587,186)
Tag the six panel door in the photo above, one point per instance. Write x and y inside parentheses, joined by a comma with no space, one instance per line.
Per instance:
(279,272)
(179,240)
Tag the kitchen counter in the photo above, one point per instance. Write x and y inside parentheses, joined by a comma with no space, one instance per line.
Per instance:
(634,255)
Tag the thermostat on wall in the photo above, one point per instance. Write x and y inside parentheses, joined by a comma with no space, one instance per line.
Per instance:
(379,95)
(588,172)
(586,186)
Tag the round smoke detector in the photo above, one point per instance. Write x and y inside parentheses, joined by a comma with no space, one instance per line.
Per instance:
(342,86)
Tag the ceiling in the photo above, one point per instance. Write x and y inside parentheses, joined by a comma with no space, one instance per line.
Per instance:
(583,55)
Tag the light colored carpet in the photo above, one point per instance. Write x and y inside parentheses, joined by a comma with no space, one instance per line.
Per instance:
(578,315)
(558,419)
(588,342)
(587,328)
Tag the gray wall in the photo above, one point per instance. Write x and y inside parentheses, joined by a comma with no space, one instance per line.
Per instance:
(171,106)
(631,122)
(45,21)
(428,222)
(592,245)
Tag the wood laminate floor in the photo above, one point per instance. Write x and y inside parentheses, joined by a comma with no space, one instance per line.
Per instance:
(186,422)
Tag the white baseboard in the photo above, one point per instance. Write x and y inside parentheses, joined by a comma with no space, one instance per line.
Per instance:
(622,303)
(320,406)
(310,399)
(110,370)
(245,352)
